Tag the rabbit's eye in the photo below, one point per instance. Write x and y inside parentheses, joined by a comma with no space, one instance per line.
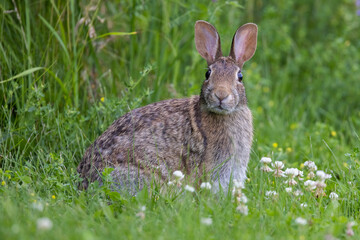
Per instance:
(207,74)
(240,76)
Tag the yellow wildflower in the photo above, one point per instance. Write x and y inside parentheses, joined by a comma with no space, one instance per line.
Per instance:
(53,197)
(275,145)
(3,183)
(333,133)
(102,99)
(302,166)
(293,126)
(289,149)
(266,89)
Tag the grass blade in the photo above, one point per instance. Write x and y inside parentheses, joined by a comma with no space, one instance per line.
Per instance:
(116,34)
(57,36)
(22,74)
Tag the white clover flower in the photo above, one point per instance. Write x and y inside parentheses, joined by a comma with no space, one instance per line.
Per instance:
(303,205)
(141,215)
(311,175)
(266,168)
(278,165)
(38,206)
(351,224)
(271,194)
(333,196)
(265,160)
(320,185)
(242,199)
(205,185)
(243,209)
(310,165)
(310,184)
(44,223)
(289,189)
(349,230)
(170,183)
(291,182)
(238,184)
(298,193)
(206,221)
(279,173)
(292,172)
(322,175)
(178,175)
(300,221)
(189,188)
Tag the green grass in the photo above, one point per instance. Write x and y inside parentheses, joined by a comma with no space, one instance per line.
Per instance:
(60,89)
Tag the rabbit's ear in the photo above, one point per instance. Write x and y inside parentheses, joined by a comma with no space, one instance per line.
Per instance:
(244,43)
(207,41)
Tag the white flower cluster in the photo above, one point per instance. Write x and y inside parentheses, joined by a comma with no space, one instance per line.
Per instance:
(141,213)
(189,188)
(178,176)
(292,173)
(300,221)
(265,161)
(315,184)
(349,230)
(278,166)
(206,221)
(333,196)
(319,185)
(310,165)
(240,197)
(205,185)
(271,195)
(44,223)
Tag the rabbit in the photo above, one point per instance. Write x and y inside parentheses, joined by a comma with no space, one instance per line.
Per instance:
(206,137)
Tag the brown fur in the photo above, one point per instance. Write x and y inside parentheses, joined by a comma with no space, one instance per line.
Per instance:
(206,136)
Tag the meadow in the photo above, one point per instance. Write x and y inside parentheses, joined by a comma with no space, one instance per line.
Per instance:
(69,68)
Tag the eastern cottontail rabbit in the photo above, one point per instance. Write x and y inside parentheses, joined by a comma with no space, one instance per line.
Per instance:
(204,136)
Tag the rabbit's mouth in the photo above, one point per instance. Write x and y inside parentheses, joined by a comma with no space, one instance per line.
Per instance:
(219,104)
(221,109)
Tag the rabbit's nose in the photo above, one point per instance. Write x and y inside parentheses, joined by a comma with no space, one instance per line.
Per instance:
(221,96)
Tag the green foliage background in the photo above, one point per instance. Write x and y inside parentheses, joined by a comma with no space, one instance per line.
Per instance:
(61,87)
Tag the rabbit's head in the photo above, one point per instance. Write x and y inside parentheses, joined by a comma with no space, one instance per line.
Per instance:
(223,90)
